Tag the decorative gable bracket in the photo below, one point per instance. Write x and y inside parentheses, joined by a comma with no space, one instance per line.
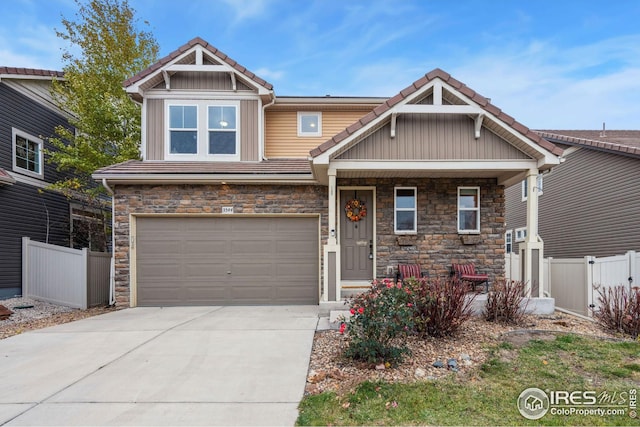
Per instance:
(469,110)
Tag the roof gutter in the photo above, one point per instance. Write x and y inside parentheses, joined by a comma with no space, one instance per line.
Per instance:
(112,269)
(302,179)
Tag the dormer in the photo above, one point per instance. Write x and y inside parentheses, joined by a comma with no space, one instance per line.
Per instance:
(200,105)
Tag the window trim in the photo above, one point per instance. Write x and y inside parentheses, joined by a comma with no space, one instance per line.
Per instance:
(18,133)
(202,130)
(476,209)
(396,209)
(520,234)
(318,132)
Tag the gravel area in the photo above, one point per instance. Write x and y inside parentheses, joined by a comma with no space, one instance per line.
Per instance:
(329,371)
(41,315)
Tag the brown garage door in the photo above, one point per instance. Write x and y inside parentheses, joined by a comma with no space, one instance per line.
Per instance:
(226,261)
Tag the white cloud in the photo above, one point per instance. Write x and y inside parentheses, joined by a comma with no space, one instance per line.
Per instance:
(268,74)
(247,9)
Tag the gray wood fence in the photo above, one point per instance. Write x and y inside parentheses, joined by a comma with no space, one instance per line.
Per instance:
(70,277)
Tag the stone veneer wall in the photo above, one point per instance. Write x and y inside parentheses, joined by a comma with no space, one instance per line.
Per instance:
(206,199)
(437,243)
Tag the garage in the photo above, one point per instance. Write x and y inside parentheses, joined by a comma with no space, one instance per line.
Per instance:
(226,260)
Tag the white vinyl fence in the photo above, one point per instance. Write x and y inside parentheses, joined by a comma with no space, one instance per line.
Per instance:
(70,277)
(572,281)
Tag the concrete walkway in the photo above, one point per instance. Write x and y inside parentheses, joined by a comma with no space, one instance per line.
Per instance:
(161,366)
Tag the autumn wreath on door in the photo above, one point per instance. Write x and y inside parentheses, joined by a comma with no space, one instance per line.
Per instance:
(355,210)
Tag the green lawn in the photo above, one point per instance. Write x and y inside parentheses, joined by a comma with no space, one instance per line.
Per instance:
(488,396)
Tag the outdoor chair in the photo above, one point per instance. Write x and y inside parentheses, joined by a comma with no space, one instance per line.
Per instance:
(466,273)
(406,271)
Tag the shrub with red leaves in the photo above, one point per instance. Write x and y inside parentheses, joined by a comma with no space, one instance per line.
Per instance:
(619,309)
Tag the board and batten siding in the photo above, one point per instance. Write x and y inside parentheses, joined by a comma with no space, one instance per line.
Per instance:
(204,81)
(589,206)
(433,137)
(281,137)
(249,129)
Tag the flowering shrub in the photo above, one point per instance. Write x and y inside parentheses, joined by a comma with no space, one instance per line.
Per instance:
(440,306)
(619,310)
(505,302)
(379,318)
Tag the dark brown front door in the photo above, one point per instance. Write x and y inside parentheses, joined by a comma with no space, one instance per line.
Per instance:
(356,237)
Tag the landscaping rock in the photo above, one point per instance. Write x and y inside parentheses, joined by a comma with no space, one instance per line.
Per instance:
(380,367)
(438,364)
(5,313)
(420,373)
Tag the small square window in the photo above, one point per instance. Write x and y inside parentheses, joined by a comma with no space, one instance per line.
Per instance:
(525,188)
(27,154)
(309,124)
(521,234)
(405,210)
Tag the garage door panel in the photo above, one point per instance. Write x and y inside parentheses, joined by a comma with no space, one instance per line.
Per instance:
(184,261)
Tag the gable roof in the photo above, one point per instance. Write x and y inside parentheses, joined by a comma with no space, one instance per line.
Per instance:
(27,73)
(437,73)
(188,46)
(616,141)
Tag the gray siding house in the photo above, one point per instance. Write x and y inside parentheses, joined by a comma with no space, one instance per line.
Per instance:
(590,203)
(242,197)
(27,117)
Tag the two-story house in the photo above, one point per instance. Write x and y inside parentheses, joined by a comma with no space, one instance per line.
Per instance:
(243,197)
(28,116)
(590,203)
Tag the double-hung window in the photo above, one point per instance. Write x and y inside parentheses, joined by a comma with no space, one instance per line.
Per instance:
(203,130)
(183,129)
(468,209)
(405,210)
(27,154)
(508,241)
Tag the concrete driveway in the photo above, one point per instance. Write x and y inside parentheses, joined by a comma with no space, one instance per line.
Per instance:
(161,366)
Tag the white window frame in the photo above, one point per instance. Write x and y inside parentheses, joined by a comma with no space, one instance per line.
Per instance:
(202,130)
(18,133)
(396,209)
(521,234)
(318,116)
(474,209)
(508,241)
(539,182)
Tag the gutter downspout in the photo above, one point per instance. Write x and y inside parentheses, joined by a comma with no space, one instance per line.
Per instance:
(264,127)
(112,270)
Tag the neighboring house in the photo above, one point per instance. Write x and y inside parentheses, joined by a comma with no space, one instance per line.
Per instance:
(243,197)
(27,117)
(590,203)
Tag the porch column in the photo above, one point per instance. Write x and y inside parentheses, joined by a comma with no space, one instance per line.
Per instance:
(531,250)
(331,264)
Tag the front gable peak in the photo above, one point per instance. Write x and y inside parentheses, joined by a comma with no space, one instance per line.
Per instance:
(437,92)
(196,56)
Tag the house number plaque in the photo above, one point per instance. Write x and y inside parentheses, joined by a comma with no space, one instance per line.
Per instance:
(227,209)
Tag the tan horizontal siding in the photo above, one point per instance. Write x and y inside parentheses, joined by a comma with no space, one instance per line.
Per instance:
(282,132)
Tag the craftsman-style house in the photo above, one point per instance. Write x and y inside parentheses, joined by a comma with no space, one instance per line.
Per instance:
(242,197)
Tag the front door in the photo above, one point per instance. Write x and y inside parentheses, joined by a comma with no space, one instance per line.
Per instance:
(356,234)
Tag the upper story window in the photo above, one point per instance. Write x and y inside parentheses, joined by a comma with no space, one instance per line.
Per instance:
(203,130)
(525,187)
(468,209)
(309,124)
(405,210)
(521,234)
(27,154)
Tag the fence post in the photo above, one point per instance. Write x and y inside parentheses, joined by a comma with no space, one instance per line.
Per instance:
(85,281)
(25,266)
(589,261)
(548,277)
(633,268)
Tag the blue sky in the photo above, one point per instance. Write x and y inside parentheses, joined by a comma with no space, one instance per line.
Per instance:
(551,64)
